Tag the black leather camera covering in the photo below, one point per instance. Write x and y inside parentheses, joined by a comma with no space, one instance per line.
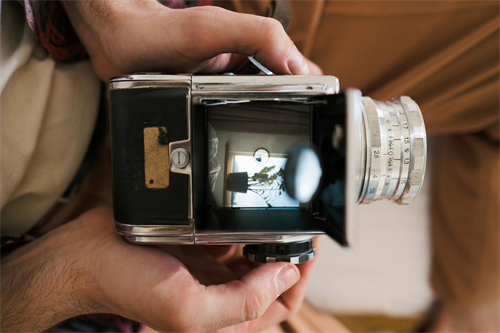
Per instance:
(134,110)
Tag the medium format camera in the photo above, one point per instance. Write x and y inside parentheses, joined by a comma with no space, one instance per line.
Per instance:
(266,161)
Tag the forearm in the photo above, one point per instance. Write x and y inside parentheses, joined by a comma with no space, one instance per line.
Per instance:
(40,290)
(90,20)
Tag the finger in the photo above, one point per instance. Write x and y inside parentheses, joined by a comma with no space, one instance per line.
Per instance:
(287,304)
(219,252)
(215,252)
(248,298)
(315,69)
(225,62)
(203,262)
(220,63)
(292,299)
(241,266)
(275,314)
(209,31)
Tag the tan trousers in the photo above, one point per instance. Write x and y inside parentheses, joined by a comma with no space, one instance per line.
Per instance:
(445,55)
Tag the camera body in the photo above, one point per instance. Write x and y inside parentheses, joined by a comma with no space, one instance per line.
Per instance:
(200,160)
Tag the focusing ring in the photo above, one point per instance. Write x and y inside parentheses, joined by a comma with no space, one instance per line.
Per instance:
(395,150)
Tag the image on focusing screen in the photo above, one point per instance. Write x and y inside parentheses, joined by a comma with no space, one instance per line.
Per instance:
(247,145)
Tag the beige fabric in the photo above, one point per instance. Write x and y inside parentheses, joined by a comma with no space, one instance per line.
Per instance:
(48,111)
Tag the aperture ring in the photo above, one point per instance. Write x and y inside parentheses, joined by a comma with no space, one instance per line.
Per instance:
(376,150)
(418,147)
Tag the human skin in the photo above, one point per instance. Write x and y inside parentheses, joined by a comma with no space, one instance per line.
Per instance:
(124,37)
(85,267)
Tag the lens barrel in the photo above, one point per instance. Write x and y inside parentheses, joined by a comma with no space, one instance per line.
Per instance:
(394,150)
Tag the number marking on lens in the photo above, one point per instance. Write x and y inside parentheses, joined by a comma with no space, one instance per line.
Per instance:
(395,142)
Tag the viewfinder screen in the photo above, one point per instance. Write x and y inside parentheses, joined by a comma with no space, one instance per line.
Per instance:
(247,146)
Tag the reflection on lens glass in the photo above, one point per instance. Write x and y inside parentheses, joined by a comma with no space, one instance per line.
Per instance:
(307,175)
(302,172)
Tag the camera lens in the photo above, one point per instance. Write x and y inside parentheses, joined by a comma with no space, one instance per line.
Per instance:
(394,150)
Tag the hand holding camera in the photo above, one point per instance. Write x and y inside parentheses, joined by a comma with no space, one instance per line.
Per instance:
(124,37)
(84,267)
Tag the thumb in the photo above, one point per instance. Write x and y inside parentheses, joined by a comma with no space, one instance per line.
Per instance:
(248,298)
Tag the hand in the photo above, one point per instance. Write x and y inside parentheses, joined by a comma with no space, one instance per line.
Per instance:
(204,263)
(84,267)
(124,37)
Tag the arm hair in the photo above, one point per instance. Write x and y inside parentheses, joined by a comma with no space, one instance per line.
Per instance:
(37,296)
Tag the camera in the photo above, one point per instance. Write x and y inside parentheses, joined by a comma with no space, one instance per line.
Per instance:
(266,161)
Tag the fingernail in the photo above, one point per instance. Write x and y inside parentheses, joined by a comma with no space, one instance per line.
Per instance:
(286,278)
(297,64)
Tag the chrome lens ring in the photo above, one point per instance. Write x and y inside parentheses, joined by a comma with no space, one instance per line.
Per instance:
(396,150)
(376,151)
(418,149)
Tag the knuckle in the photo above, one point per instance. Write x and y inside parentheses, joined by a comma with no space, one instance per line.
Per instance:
(255,304)
(206,17)
(273,32)
(213,11)
(275,37)
(270,27)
